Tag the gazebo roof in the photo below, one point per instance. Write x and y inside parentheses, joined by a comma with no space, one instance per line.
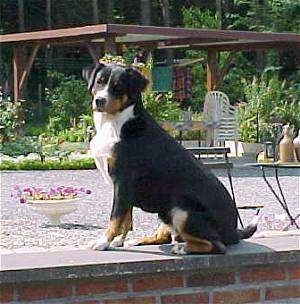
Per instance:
(159,37)
(110,36)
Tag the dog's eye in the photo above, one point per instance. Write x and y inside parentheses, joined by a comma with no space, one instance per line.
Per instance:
(101,80)
(118,88)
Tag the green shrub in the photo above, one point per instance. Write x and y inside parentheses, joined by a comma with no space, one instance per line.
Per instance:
(69,99)
(80,164)
(79,133)
(161,106)
(21,146)
(9,119)
(274,101)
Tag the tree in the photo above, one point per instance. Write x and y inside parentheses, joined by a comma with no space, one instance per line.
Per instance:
(95,12)
(21,16)
(145,12)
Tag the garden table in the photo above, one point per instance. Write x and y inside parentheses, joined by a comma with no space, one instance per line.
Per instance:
(279,195)
(187,125)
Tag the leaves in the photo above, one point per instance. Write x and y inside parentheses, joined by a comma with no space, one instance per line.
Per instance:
(68,100)
(269,100)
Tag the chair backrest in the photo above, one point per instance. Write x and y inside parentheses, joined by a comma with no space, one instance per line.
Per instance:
(217,109)
(216,105)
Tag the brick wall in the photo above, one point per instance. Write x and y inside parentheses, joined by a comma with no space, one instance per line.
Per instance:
(239,285)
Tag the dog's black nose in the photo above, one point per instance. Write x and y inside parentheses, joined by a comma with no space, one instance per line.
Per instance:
(100,102)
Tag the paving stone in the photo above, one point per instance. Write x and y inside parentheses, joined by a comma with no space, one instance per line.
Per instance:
(24,228)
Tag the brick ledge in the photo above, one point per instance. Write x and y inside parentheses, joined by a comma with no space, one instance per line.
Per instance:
(80,263)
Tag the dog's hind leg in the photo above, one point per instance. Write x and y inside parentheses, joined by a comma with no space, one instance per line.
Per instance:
(161,236)
(197,231)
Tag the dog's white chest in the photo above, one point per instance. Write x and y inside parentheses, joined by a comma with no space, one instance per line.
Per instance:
(102,146)
(108,134)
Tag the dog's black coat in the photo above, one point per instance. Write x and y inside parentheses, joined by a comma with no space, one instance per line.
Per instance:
(152,171)
(155,173)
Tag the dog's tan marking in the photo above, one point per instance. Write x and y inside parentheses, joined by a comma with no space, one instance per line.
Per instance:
(179,218)
(196,245)
(161,236)
(126,224)
(120,225)
(115,105)
(111,162)
(113,229)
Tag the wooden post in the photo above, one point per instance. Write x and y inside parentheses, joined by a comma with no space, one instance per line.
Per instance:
(110,46)
(27,68)
(17,68)
(211,70)
(92,52)
(21,71)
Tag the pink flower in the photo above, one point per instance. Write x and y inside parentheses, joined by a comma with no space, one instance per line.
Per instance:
(38,193)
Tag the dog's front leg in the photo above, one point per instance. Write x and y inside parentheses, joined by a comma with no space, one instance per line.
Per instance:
(119,225)
(126,226)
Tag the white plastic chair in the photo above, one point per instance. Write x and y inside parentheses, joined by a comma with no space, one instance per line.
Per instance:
(222,117)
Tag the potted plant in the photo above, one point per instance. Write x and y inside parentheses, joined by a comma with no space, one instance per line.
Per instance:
(53,203)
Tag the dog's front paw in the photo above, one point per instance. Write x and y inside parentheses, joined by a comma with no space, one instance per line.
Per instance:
(131,243)
(178,249)
(118,241)
(99,244)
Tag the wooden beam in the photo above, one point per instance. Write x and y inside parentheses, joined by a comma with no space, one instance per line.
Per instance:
(246,46)
(26,70)
(211,71)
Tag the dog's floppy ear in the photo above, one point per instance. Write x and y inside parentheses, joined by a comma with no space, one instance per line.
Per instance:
(137,79)
(89,73)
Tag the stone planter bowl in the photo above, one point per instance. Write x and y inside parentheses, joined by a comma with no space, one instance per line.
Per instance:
(53,209)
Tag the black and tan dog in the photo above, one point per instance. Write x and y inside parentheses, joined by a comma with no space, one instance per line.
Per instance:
(150,170)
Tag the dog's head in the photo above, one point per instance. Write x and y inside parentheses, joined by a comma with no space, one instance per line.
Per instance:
(114,87)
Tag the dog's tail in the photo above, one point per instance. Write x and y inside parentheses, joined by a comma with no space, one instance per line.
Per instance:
(250,229)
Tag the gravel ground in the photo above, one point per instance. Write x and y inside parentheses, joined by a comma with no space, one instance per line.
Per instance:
(21,228)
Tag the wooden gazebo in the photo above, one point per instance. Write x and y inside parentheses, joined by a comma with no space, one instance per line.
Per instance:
(109,38)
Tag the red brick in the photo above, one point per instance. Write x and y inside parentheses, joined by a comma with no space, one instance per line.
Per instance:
(212,279)
(195,298)
(39,291)
(6,293)
(95,286)
(157,282)
(294,272)
(140,300)
(262,275)
(85,302)
(236,296)
(282,292)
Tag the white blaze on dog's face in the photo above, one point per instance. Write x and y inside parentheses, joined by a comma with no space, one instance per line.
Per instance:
(114,88)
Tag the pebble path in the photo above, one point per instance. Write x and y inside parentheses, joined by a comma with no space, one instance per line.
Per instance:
(22,228)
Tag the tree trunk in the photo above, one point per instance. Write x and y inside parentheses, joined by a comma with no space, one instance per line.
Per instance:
(165,12)
(95,12)
(48,14)
(21,16)
(109,10)
(219,10)
(145,12)
(166,21)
